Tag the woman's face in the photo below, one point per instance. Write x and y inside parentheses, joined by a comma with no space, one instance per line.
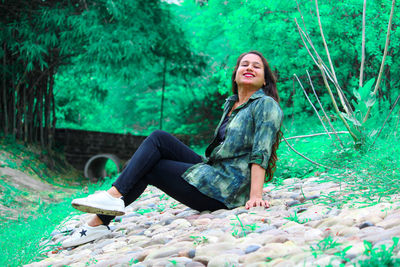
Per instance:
(250,72)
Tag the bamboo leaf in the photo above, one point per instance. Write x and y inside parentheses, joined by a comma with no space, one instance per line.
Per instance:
(351,119)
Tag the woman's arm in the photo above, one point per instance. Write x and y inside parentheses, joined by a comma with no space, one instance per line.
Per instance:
(256,188)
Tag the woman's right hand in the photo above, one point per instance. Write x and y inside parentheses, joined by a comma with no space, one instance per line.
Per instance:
(256,202)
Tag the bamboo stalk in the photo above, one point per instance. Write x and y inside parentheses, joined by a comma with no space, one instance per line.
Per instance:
(324,42)
(344,103)
(347,106)
(49,103)
(363,45)
(313,135)
(383,58)
(301,32)
(5,93)
(316,111)
(25,113)
(335,105)
(323,110)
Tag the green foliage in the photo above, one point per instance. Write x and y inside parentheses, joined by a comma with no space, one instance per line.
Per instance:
(295,218)
(239,229)
(197,240)
(21,239)
(324,245)
(381,256)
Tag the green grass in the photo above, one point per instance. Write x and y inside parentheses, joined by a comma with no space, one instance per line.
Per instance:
(21,236)
(20,239)
(371,172)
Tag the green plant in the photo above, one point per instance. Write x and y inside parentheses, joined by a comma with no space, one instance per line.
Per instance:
(197,240)
(342,254)
(294,218)
(381,256)
(133,261)
(174,262)
(365,95)
(144,211)
(91,261)
(239,229)
(324,245)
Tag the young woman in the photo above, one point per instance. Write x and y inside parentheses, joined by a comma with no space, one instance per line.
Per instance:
(232,173)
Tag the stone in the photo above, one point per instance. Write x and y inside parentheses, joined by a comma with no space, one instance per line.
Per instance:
(202,259)
(366,224)
(224,260)
(292,203)
(252,248)
(313,234)
(162,253)
(194,264)
(264,228)
(212,250)
(290,181)
(180,224)
(175,235)
(192,253)
(388,223)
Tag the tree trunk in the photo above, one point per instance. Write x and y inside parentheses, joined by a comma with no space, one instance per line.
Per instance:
(35,119)
(163,92)
(40,112)
(18,110)
(31,101)
(47,108)
(25,113)
(5,125)
(50,109)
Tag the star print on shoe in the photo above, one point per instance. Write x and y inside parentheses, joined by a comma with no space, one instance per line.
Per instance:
(85,235)
(83,232)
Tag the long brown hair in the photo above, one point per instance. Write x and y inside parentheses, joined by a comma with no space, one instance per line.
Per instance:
(271,90)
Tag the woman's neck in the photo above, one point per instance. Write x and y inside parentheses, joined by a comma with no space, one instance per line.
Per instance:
(244,94)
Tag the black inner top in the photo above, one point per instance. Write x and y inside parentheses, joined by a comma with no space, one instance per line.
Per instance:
(222,129)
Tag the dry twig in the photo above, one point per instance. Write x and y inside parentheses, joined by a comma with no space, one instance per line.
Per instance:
(301,155)
(316,134)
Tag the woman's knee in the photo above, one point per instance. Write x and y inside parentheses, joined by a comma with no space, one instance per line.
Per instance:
(158,134)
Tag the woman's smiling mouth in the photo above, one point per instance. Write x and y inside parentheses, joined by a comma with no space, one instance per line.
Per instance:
(247,74)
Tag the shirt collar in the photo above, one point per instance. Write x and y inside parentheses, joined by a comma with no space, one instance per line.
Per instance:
(259,93)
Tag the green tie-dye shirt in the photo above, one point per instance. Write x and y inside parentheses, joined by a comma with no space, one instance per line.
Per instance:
(250,133)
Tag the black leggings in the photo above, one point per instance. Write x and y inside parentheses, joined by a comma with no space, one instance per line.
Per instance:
(160,161)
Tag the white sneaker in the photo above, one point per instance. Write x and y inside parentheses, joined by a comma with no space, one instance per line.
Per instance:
(100,203)
(85,234)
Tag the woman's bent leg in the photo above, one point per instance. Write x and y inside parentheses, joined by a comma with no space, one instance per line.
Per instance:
(159,145)
(166,175)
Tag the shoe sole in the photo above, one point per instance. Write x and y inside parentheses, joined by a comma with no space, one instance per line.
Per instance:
(97,210)
(93,238)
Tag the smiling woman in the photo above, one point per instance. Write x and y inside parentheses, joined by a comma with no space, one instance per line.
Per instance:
(232,173)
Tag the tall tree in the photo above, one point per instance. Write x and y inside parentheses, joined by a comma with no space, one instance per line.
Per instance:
(99,40)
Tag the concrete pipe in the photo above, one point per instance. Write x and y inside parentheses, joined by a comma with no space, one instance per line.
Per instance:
(95,167)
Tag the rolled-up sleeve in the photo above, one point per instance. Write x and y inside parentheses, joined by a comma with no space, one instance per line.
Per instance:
(267,117)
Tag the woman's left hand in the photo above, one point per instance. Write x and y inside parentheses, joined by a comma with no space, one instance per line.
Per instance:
(256,202)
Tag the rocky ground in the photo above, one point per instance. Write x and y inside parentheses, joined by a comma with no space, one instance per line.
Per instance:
(310,223)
